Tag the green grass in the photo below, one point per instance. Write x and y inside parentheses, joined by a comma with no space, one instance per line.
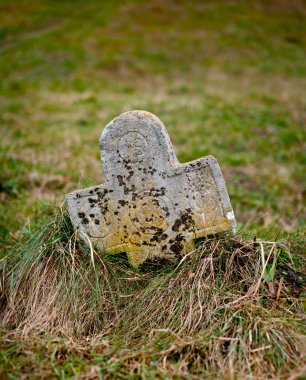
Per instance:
(227,78)
(232,309)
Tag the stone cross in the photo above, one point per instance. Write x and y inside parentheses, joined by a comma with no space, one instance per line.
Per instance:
(150,205)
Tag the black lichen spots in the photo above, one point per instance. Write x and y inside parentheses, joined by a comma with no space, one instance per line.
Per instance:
(158,237)
(155,263)
(92,215)
(176,225)
(122,183)
(184,222)
(176,248)
(148,171)
(158,192)
(100,192)
(78,195)
(157,229)
(116,212)
(176,244)
(97,221)
(166,209)
(92,200)
(84,219)
(91,191)
(120,180)
(178,238)
(122,202)
(102,201)
(154,201)
(155,193)
(104,209)
(128,167)
(127,164)
(195,166)
(151,170)
(131,173)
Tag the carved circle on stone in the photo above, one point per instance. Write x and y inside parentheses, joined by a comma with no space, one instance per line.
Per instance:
(99,233)
(132,146)
(151,213)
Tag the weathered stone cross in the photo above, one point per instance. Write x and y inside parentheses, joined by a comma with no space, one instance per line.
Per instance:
(149,205)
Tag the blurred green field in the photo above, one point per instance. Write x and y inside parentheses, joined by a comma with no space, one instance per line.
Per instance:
(227,78)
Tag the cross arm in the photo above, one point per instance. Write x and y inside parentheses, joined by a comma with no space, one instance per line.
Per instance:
(88,211)
(209,196)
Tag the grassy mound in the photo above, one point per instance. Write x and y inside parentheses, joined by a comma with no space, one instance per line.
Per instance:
(232,309)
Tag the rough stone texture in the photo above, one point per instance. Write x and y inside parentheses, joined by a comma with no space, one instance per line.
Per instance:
(150,205)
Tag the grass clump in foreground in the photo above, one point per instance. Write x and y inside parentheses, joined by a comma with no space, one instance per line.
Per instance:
(232,309)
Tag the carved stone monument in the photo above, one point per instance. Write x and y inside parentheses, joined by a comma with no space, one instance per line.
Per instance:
(149,205)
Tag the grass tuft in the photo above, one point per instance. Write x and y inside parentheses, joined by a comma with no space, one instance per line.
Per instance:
(231,309)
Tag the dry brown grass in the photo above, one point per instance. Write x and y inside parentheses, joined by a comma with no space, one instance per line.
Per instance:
(218,313)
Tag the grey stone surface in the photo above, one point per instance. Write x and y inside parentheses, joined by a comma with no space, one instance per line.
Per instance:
(150,204)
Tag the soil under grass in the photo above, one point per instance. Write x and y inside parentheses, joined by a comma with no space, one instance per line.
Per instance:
(227,78)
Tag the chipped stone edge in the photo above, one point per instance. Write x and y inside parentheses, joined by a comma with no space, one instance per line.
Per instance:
(221,188)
